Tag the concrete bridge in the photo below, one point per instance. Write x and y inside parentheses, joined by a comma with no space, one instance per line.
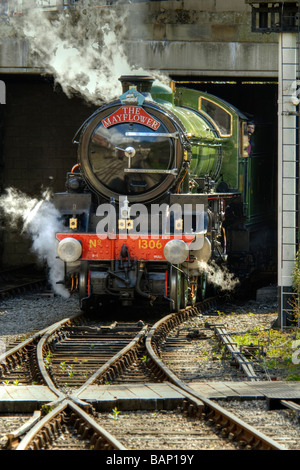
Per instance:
(181,37)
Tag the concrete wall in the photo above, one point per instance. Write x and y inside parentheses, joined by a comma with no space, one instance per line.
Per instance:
(194,37)
(205,37)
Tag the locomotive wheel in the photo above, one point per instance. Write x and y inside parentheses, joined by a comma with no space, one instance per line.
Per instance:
(175,289)
(83,286)
(203,285)
(184,291)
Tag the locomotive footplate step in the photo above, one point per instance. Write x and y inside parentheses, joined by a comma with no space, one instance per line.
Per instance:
(24,399)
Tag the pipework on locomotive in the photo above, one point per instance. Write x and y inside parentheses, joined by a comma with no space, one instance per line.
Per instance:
(161,188)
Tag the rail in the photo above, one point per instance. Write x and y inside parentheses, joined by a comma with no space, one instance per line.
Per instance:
(237,355)
(116,363)
(85,424)
(292,406)
(212,411)
(195,403)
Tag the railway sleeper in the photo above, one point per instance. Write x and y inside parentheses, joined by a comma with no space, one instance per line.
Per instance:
(122,368)
(247,440)
(11,364)
(87,432)
(102,444)
(48,433)
(156,371)
(114,370)
(83,428)
(125,361)
(160,337)
(54,428)
(34,445)
(135,355)
(49,430)
(214,419)
(160,375)
(231,430)
(130,357)
(192,410)
(119,367)
(35,371)
(99,443)
(108,377)
(38,443)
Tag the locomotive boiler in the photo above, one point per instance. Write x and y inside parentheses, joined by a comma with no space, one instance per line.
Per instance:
(160,189)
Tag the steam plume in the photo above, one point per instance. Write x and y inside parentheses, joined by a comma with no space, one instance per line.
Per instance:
(218,276)
(83,48)
(39,220)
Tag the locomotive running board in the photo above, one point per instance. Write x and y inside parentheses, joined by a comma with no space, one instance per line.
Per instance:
(173,172)
(174,135)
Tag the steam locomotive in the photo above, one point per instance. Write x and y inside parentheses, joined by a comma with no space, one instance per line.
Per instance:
(165,183)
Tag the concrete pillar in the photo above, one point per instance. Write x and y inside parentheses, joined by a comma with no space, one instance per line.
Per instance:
(287,172)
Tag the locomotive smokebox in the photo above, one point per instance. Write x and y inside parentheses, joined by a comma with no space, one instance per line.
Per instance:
(142,83)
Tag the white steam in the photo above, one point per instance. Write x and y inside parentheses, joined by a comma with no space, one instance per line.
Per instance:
(219,276)
(39,220)
(83,47)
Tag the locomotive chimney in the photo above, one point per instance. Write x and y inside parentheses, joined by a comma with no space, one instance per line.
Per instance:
(143,83)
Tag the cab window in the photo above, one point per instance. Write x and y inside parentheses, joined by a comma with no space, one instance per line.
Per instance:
(221,117)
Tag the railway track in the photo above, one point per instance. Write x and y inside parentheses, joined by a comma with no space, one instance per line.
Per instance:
(16,281)
(67,419)
(76,352)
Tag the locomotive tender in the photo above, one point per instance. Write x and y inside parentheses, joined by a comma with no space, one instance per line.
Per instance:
(161,188)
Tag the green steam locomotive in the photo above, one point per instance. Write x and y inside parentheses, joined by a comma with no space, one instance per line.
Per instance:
(166,185)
